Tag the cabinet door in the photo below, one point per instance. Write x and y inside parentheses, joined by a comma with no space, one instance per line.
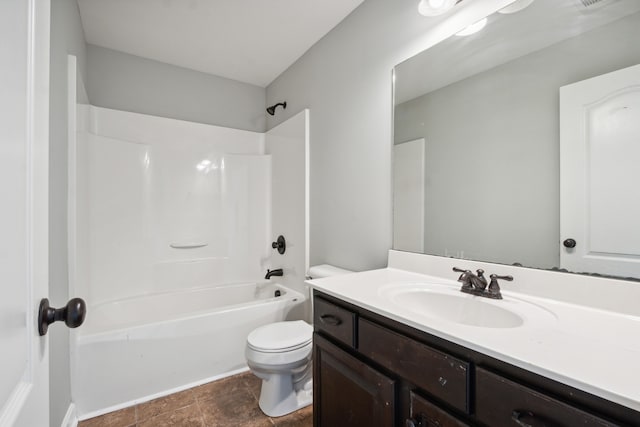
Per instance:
(425,414)
(348,392)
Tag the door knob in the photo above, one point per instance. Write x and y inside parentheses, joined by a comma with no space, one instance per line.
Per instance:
(569,243)
(73,314)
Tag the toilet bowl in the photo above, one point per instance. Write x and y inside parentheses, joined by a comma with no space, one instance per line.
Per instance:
(280,354)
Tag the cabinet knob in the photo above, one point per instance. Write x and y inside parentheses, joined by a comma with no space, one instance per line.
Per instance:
(569,243)
(330,319)
(414,422)
(529,419)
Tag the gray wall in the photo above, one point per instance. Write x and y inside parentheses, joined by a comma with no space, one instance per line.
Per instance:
(126,82)
(345,81)
(67,37)
(492,154)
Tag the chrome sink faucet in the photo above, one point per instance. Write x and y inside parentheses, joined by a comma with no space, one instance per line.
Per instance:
(476,284)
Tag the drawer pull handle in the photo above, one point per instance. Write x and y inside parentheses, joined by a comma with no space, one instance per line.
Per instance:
(330,319)
(421,420)
(418,421)
(410,422)
(519,418)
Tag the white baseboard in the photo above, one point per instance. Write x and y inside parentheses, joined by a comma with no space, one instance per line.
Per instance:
(71,417)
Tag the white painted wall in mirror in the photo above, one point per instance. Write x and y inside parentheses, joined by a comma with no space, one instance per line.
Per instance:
(408,195)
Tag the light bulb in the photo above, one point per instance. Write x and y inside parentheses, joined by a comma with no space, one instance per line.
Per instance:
(435,7)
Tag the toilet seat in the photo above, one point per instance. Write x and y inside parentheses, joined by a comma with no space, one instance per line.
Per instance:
(280,337)
(282,360)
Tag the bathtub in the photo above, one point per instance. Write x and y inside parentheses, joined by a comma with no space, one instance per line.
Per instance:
(137,349)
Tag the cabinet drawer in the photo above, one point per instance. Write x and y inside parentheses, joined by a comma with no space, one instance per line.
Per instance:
(335,321)
(437,373)
(425,413)
(501,402)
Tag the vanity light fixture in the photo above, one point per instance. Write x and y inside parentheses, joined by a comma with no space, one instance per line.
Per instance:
(435,7)
(516,6)
(473,28)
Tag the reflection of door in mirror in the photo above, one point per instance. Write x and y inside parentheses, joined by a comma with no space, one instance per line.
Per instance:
(408,196)
(599,139)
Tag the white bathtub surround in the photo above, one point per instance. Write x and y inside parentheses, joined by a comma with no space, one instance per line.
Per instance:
(584,333)
(147,187)
(288,146)
(138,349)
(169,229)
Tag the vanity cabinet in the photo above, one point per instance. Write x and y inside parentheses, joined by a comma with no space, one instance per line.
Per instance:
(373,371)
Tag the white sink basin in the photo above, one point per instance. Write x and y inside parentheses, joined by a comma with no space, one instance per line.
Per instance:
(451,305)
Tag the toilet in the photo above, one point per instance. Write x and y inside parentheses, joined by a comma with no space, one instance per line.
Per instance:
(280,355)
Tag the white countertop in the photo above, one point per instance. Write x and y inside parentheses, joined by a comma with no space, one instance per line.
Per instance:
(591,349)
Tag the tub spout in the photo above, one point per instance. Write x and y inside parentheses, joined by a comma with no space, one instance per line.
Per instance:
(276,272)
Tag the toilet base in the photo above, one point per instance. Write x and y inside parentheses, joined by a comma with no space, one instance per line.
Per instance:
(279,397)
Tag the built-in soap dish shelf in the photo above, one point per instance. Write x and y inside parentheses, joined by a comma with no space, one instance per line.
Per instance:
(188,245)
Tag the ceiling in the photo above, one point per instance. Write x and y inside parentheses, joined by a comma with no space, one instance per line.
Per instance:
(252,41)
(505,38)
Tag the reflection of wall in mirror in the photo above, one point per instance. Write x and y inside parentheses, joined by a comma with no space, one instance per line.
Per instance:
(492,151)
(408,196)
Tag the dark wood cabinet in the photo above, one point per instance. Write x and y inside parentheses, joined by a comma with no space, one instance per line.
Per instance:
(439,374)
(423,413)
(502,402)
(347,391)
(373,371)
(334,321)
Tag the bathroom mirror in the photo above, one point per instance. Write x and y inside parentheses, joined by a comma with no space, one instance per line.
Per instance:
(520,144)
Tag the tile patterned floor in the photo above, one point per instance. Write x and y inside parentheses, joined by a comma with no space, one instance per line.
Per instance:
(231,401)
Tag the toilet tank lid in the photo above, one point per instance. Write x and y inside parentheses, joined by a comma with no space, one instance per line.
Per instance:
(326,270)
(281,335)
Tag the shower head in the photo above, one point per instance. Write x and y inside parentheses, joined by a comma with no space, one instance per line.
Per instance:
(272,110)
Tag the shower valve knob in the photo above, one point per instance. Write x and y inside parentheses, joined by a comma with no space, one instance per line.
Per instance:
(73,314)
(279,244)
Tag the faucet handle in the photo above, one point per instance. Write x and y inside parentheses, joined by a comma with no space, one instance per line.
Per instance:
(494,288)
(465,277)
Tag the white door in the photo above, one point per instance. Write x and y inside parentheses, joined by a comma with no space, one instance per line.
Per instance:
(24,129)
(600,174)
